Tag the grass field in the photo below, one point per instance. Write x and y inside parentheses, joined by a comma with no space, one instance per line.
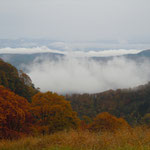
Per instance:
(134,139)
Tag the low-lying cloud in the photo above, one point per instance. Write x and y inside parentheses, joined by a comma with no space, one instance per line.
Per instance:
(33,50)
(69,51)
(76,72)
(82,75)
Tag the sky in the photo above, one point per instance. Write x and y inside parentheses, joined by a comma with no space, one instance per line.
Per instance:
(126,21)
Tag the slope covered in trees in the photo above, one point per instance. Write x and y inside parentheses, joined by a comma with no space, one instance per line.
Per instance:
(16,81)
(47,113)
(131,104)
(15,114)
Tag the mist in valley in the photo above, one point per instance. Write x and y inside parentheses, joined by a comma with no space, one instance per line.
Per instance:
(75,74)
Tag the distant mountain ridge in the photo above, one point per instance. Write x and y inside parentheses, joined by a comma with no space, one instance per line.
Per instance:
(144,53)
(19,59)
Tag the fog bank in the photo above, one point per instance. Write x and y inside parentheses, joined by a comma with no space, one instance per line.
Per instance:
(69,51)
(82,75)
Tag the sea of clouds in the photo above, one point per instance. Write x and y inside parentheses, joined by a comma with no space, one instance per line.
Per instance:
(81,75)
(77,73)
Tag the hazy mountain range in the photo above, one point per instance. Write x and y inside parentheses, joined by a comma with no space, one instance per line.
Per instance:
(18,60)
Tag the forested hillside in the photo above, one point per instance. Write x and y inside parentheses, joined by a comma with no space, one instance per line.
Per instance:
(16,81)
(131,104)
(47,113)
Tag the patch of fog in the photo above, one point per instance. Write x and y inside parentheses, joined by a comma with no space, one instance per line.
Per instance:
(82,75)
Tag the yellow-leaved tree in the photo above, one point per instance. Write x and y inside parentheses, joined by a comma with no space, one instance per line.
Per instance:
(53,113)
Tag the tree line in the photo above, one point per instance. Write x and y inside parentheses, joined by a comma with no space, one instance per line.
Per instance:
(131,104)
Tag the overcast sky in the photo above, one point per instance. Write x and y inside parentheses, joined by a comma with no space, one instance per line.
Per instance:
(76,20)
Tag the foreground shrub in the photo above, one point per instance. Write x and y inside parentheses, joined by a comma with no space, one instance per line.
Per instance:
(107,122)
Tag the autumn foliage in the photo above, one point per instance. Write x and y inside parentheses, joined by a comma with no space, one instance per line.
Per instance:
(107,122)
(17,81)
(53,112)
(131,104)
(47,113)
(15,116)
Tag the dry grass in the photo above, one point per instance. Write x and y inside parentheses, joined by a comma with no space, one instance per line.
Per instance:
(134,139)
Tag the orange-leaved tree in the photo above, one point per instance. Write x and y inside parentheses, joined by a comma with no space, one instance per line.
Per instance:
(107,122)
(15,115)
(53,112)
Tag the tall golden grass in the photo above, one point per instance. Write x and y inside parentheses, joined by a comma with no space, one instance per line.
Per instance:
(137,138)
